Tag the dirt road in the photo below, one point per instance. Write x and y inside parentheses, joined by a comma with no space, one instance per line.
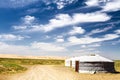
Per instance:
(44,73)
(49,72)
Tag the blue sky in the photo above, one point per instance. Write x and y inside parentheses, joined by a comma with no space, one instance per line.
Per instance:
(60,27)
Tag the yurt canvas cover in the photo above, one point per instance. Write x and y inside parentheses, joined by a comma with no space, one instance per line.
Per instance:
(94,64)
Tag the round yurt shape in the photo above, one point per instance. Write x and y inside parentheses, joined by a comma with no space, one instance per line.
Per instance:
(68,62)
(94,64)
(74,60)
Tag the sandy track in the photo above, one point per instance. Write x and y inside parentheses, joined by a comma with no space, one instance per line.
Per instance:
(49,72)
(43,73)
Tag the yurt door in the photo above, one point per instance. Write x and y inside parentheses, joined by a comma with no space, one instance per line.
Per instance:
(77,66)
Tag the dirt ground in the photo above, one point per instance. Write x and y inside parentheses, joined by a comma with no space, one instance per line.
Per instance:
(51,72)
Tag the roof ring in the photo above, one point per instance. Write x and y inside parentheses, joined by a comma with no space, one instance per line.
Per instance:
(92,55)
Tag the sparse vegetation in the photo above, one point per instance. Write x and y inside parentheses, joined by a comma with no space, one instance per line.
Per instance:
(8,68)
(8,65)
(32,61)
(117,65)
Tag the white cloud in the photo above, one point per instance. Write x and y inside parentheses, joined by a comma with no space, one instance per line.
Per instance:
(36,48)
(60,40)
(91,45)
(76,30)
(106,5)
(62,3)
(14,49)
(100,30)
(11,37)
(112,6)
(21,27)
(92,3)
(89,40)
(16,3)
(63,20)
(28,19)
(47,47)
(117,31)
(26,23)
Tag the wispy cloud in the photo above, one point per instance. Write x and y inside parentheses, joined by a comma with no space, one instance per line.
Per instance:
(95,31)
(88,40)
(22,3)
(115,42)
(106,5)
(15,3)
(62,20)
(94,45)
(47,47)
(11,37)
(36,48)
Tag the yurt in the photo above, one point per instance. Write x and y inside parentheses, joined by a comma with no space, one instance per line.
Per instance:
(94,64)
(73,60)
(68,62)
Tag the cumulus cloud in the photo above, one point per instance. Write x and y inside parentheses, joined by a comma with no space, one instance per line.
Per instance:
(26,23)
(76,30)
(10,37)
(89,40)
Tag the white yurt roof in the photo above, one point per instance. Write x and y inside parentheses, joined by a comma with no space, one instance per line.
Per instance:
(91,58)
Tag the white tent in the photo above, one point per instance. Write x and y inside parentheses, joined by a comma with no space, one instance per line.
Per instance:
(68,62)
(93,58)
(92,64)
